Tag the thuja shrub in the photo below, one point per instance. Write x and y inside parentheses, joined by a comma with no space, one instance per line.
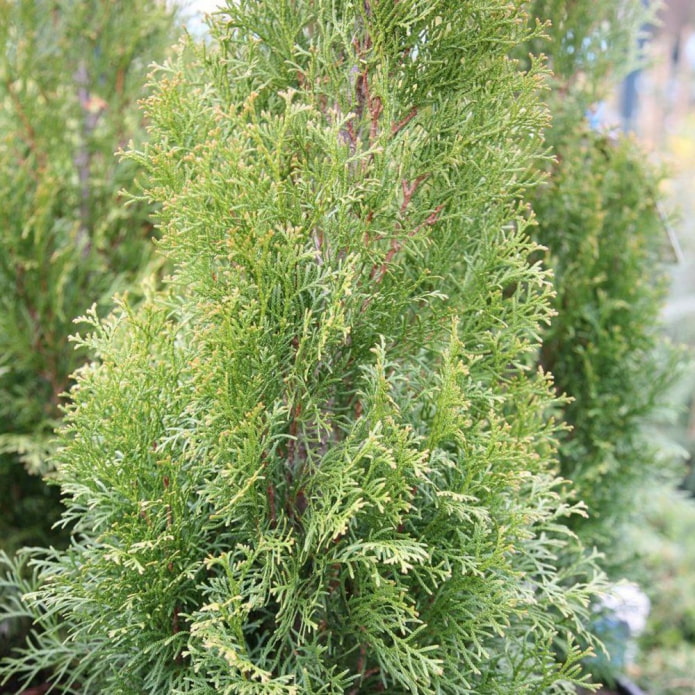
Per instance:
(316,461)
(70,76)
(599,216)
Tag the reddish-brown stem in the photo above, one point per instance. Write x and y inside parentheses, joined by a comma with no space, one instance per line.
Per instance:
(352,135)
(432,219)
(270,490)
(397,127)
(362,81)
(26,123)
(409,189)
(375,108)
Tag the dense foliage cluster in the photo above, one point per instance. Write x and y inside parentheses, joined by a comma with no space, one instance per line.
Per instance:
(604,346)
(317,460)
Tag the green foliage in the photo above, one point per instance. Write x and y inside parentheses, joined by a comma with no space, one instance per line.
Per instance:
(317,461)
(590,46)
(673,521)
(668,646)
(70,75)
(598,215)
(69,79)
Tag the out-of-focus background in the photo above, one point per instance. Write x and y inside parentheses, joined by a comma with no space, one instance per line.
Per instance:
(657,105)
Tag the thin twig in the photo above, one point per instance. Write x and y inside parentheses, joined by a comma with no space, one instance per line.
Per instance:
(399,125)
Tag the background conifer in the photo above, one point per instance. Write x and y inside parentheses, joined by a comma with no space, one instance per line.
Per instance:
(70,76)
(599,215)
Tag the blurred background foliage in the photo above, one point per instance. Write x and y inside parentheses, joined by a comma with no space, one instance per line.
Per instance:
(666,663)
(71,75)
(665,123)
(620,254)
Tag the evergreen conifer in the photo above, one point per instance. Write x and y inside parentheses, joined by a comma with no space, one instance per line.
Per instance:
(599,215)
(316,461)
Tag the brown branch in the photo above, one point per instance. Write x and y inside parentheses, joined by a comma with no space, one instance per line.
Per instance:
(432,219)
(26,123)
(398,126)
(376,108)
(409,189)
(362,83)
(270,490)
(352,136)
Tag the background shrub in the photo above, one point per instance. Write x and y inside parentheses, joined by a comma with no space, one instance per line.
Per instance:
(599,216)
(70,77)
